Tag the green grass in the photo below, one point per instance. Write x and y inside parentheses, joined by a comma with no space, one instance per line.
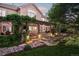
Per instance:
(50,51)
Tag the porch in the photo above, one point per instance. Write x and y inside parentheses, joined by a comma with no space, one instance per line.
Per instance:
(39,29)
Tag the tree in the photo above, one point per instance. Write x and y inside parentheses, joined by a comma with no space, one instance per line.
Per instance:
(56,12)
(64,14)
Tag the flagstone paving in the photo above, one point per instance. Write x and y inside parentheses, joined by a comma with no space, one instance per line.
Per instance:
(8,50)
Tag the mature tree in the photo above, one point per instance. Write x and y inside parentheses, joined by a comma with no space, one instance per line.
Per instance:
(64,13)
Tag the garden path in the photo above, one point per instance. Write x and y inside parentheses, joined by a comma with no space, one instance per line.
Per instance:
(8,50)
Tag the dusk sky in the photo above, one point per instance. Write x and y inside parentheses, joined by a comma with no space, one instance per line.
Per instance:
(45,5)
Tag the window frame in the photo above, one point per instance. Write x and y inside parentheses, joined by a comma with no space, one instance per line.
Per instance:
(4,31)
(2,12)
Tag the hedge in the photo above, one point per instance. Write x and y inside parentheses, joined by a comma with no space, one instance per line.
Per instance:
(10,40)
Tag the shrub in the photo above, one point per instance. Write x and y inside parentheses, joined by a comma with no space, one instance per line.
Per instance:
(63,30)
(27,47)
(72,40)
(10,40)
(71,30)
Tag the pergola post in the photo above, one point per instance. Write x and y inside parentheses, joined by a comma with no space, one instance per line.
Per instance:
(27,28)
(38,28)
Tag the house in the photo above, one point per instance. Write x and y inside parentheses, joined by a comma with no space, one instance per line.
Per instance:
(41,26)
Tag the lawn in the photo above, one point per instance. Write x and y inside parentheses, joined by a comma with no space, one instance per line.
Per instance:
(50,51)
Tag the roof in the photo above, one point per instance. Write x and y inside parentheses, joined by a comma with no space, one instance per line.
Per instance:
(34,6)
(41,22)
(15,8)
(9,6)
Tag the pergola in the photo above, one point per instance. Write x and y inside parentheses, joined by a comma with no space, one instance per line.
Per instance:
(39,26)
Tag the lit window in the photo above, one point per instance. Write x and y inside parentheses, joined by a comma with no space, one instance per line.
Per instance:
(44,19)
(42,28)
(6,27)
(30,28)
(33,29)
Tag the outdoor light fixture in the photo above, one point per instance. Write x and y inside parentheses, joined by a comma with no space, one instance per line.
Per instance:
(35,28)
(39,36)
(51,34)
(28,37)
(56,33)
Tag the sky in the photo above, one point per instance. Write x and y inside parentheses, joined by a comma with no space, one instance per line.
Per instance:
(44,7)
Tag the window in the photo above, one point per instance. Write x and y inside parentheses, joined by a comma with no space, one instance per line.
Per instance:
(2,13)
(43,19)
(42,28)
(33,29)
(6,28)
(31,13)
